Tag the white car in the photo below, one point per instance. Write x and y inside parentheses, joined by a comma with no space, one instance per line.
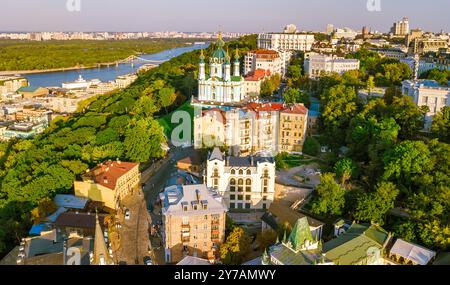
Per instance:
(127,214)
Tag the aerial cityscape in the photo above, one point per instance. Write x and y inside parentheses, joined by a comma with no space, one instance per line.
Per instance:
(295,140)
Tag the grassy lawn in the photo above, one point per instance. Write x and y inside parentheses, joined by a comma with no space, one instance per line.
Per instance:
(295,160)
(165,121)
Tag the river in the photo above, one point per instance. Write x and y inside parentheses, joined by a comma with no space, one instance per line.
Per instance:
(105,74)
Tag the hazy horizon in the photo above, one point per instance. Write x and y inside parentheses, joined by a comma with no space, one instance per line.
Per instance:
(246,16)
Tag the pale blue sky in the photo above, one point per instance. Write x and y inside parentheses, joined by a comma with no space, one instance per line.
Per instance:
(209,15)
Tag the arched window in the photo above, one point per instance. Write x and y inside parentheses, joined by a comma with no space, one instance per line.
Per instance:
(232,185)
(241,172)
(266,173)
(240,185)
(248,185)
(216,172)
(249,172)
(233,172)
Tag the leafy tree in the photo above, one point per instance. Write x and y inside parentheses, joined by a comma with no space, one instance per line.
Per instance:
(270,85)
(76,166)
(167,97)
(311,146)
(106,136)
(146,106)
(405,161)
(45,207)
(344,169)
(235,247)
(373,207)
(294,95)
(434,234)
(143,141)
(441,125)
(441,76)
(408,116)
(330,196)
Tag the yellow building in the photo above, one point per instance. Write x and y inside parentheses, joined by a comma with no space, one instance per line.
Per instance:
(292,131)
(109,182)
(193,221)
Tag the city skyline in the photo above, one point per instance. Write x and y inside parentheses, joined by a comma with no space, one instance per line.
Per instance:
(183,16)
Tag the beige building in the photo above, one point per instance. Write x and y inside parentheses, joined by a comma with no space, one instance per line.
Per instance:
(193,222)
(109,182)
(10,84)
(264,59)
(252,129)
(293,126)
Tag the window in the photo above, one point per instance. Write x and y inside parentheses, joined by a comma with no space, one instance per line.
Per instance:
(206,217)
(241,182)
(249,172)
(232,206)
(240,197)
(185,208)
(248,197)
(216,172)
(241,172)
(232,197)
(185,220)
(233,172)
(248,182)
(247,205)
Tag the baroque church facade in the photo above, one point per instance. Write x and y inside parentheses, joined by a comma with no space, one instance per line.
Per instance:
(222,86)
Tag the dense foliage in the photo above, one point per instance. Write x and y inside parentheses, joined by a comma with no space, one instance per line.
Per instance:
(119,125)
(30,55)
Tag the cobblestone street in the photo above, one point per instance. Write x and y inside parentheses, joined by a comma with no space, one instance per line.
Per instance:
(134,233)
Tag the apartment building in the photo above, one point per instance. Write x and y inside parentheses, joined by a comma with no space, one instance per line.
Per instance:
(270,60)
(254,128)
(193,222)
(243,182)
(427,93)
(400,28)
(317,64)
(10,84)
(293,126)
(109,182)
(289,39)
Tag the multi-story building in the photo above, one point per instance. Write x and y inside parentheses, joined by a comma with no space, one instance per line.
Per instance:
(292,130)
(193,222)
(422,45)
(427,93)
(317,64)
(243,182)
(290,39)
(109,183)
(345,33)
(23,130)
(264,59)
(395,53)
(400,28)
(10,84)
(252,129)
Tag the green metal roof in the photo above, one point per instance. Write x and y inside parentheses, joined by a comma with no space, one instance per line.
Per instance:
(357,245)
(300,233)
(28,89)
(236,78)
(286,256)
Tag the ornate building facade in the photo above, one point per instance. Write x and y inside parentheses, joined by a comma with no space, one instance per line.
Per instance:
(222,85)
(243,182)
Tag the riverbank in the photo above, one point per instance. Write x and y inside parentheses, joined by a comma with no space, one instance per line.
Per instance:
(56,56)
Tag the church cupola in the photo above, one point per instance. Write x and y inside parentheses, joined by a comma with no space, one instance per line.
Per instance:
(236,66)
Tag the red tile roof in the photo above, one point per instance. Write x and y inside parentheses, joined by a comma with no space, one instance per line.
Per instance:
(214,111)
(108,173)
(296,109)
(257,75)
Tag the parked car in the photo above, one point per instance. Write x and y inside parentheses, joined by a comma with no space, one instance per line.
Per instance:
(127,214)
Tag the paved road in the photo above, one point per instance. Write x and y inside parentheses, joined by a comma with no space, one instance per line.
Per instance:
(134,232)
(153,187)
